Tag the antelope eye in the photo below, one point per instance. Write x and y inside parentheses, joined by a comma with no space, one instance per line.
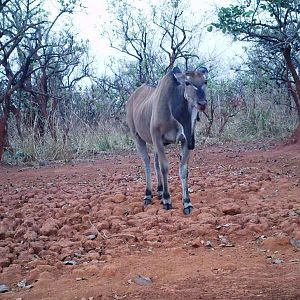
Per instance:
(187,83)
(205,82)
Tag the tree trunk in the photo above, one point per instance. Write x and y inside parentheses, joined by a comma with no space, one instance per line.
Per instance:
(224,121)
(295,93)
(52,120)
(17,114)
(3,133)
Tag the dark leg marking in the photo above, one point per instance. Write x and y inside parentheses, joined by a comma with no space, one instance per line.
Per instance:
(160,192)
(187,206)
(148,197)
(167,204)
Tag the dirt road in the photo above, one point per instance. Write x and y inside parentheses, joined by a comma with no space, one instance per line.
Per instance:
(79,231)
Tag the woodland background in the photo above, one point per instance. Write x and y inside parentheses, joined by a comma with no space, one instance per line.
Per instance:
(55,106)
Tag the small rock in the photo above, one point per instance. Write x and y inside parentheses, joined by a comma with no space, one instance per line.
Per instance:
(118,198)
(92,236)
(225,242)
(261,238)
(294,213)
(50,227)
(142,280)
(208,244)
(277,261)
(78,254)
(23,284)
(218,227)
(80,278)
(196,243)
(109,270)
(3,288)
(231,209)
(295,243)
(70,262)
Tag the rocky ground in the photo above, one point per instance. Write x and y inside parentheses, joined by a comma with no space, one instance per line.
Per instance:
(79,231)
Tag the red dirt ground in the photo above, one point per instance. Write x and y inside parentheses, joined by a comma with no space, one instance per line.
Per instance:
(91,213)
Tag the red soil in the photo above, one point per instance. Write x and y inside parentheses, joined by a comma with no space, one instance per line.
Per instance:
(91,212)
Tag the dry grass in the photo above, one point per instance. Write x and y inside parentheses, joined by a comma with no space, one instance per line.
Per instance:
(82,141)
(260,122)
(260,119)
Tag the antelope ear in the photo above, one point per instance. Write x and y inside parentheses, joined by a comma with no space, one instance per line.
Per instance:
(178,75)
(176,70)
(202,70)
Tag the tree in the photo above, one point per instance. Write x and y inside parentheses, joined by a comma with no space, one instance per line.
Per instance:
(57,73)
(18,19)
(273,24)
(34,62)
(132,35)
(151,40)
(179,36)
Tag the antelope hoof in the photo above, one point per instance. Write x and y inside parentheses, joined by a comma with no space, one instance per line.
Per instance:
(188,210)
(167,206)
(187,207)
(147,201)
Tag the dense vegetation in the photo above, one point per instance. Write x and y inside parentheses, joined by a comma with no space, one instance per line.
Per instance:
(54,106)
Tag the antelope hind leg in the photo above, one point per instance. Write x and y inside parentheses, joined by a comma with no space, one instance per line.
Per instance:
(143,152)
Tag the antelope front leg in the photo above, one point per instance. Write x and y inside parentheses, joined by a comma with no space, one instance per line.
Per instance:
(183,173)
(164,170)
(143,152)
(158,176)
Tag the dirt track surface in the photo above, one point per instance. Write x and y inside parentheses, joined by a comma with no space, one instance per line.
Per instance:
(241,241)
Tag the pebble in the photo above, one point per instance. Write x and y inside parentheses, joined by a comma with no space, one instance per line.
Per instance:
(92,236)
(295,243)
(261,238)
(142,280)
(208,244)
(231,209)
(80,278)
(277,261)
(23,284)
(77,254)
(3,288)
(225,242)
(70,262)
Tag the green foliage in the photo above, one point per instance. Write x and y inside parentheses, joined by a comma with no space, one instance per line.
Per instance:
(210,28)
(69,5)
(258,109)
(260,20)
(274,26)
